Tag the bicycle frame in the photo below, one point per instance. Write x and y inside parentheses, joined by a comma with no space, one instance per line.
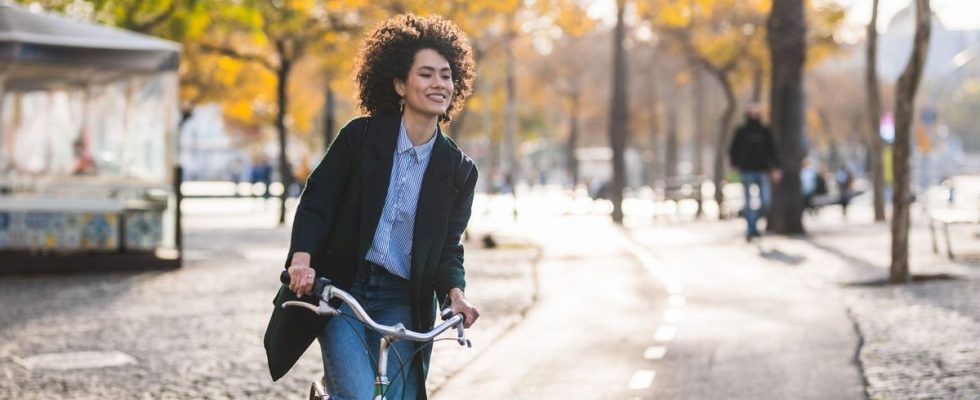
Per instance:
(390,334)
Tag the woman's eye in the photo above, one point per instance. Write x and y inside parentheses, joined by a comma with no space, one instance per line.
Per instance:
(425,75)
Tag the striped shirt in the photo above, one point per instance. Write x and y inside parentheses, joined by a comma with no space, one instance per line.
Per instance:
(392,246)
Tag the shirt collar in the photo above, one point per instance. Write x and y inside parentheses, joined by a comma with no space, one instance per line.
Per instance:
(422,151)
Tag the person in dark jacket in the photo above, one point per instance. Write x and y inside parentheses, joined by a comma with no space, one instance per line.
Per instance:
(753,154)
(382,214)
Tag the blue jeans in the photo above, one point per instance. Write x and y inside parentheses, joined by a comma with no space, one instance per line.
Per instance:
(752,214)
(349,371)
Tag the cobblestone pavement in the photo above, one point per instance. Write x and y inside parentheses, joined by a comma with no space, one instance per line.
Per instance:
(922,340)
(196,332)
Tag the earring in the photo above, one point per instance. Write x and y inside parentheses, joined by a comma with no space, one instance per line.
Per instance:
(401,105)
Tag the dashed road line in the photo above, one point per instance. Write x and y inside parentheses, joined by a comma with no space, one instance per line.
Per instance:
(643,379)
(655,352)
(665,333)
(673,315)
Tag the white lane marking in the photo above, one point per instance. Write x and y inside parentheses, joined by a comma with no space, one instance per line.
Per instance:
(658,268)
(663,272)
(673,315)
(655,352)
(642,379)
(665,333)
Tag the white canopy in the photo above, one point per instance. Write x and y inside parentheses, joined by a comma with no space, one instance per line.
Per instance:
(39,50)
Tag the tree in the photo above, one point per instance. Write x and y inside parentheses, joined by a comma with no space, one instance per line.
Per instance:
(510,112)
(787,46)
(618,113)
(135,15)
(719,37)
(652,101)
(908,84)
(875,145)
(562,70)
(278,36)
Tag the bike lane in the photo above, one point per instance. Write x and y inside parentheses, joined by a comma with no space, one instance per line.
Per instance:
(756,325)
(597,314)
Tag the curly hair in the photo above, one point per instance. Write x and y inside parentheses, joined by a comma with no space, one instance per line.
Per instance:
(389,52)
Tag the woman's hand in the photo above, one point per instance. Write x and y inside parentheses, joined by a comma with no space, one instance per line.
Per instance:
(460,305)
(301,276)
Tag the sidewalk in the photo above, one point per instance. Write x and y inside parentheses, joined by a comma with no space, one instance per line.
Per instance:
(920,340)
(196,332)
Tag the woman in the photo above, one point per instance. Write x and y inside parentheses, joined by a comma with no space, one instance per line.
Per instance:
(382,214)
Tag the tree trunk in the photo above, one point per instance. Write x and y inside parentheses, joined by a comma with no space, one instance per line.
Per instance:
(618,115)
(698,112)
(572,162)
(185,115)
(653,102)
(721,142)
(285,172)
(492,155)
(875,146)
(787,47)
(510,109)
(670,147)
(757,83)
(329,120)
(908,84)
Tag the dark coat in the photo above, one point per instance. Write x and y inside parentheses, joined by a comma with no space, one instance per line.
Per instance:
(753,148)
(337,217)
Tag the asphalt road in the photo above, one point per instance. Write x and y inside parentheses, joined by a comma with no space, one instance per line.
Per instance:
(754,325)
(666,311)
(596,315)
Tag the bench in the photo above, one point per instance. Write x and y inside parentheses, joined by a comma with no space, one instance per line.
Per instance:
(679,188)
(946,217)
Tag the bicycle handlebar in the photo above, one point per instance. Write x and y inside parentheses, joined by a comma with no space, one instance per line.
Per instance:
(326,291)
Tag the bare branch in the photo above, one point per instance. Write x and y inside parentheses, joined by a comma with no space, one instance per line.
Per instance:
(230,52)
(146,26)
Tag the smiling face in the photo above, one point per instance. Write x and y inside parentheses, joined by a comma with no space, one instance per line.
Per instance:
(428,90)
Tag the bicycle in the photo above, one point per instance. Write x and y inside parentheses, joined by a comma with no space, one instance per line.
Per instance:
(390,334)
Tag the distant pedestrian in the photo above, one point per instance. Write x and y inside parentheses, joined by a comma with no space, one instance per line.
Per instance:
(235,173)
(753,154)
(262,173)
(845,186)
(808,182)
(383,213)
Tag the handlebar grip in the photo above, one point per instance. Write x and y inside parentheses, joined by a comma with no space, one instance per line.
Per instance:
(318,285)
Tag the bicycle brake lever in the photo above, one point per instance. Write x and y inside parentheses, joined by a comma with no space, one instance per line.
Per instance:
(461,338)
(324,308)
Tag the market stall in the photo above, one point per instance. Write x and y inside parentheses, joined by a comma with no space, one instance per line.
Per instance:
(88,146)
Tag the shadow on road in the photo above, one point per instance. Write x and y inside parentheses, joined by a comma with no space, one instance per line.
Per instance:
(780,256)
